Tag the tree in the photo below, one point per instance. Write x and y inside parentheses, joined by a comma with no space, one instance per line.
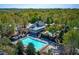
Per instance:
(5,45)
(19,48)
(38,53)
(50,51)
(49,20)
(5,41)
(71,39)
(34,19)
(0,29)
(61,36)
(7,25)
(25,21)
(30,49)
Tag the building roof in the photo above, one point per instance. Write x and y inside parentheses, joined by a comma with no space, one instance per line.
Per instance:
(37,26)
(39,23)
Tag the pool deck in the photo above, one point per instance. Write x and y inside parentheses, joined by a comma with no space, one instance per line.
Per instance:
(45,48)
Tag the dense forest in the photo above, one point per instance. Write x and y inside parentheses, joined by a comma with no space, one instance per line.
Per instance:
(10,18)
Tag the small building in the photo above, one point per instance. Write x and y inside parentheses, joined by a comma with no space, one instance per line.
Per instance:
(36,28)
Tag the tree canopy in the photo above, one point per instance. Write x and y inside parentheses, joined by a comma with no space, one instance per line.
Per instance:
(30,49)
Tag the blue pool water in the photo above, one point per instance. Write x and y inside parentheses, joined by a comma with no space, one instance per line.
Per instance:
(37,44)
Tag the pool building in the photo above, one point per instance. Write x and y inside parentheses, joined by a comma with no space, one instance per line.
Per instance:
(36,28)
(39,45)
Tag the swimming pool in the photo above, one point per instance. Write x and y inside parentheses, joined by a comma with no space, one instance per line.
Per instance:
(37,44)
